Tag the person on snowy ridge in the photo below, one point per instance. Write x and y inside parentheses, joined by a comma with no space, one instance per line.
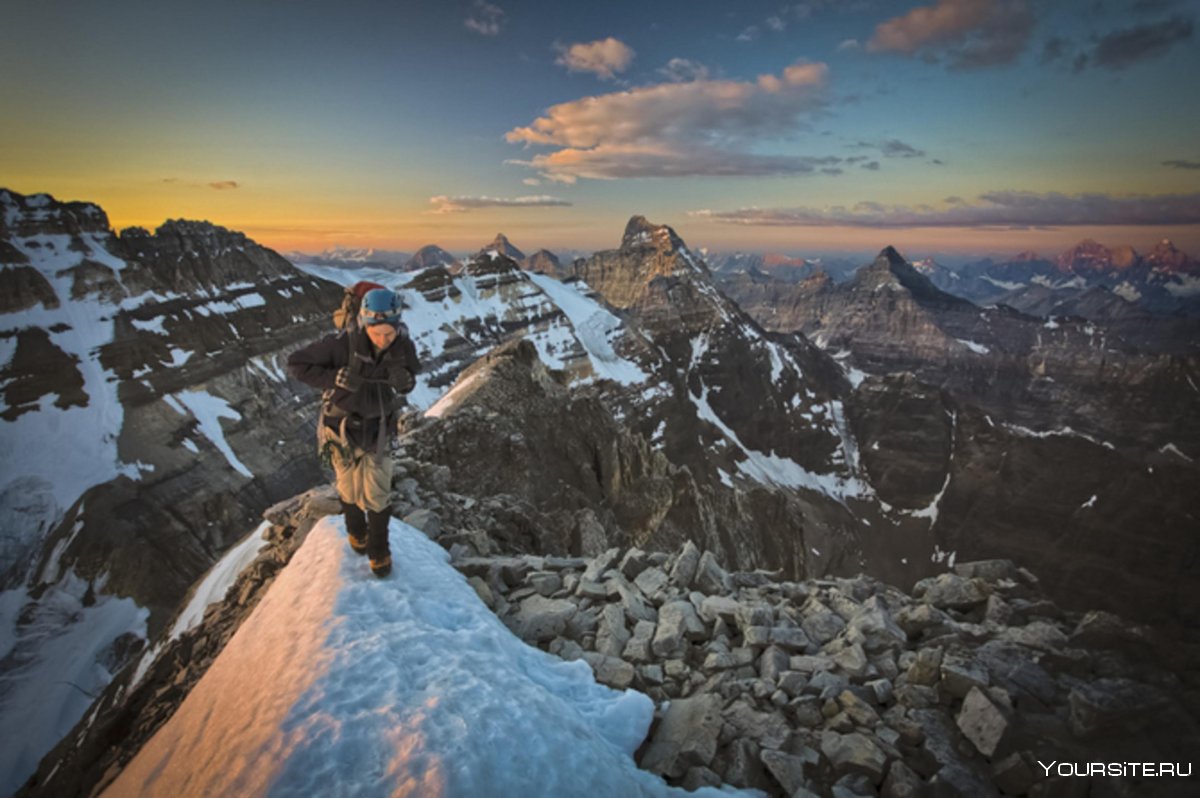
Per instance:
(364,371)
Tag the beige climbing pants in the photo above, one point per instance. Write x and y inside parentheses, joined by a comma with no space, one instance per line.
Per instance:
(363,478)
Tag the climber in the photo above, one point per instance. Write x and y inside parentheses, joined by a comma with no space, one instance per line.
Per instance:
(364,371)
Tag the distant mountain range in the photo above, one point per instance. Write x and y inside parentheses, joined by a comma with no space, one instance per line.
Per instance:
(358,257)
(810,426)
(1088,279)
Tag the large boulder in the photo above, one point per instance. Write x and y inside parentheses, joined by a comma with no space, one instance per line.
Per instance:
(982,722)
(686,738)
(539,619)
(1111,704)
(678,623)
(854,753)
(952,592)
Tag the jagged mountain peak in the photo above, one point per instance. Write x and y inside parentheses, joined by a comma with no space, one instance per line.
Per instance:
(889,256)
(33,214)
(503,246)
(1087,254)
(544,262)
(1166,257)
(890,270)
(640,232)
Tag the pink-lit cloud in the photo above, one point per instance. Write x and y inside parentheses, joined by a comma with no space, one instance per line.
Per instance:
(445,204)
(655,131)
(994,209)
(616,161)
(967,33)
(604,58)
(224,185)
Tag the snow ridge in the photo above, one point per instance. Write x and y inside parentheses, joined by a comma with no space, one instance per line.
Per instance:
(405,686)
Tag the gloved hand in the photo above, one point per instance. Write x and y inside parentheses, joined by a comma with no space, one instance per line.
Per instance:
(347,379)
(400,378)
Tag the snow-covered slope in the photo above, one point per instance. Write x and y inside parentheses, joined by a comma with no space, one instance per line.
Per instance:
(458,318)
(342,684)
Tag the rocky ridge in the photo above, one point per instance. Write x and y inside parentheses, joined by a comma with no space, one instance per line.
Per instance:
(822,687)
(850,686)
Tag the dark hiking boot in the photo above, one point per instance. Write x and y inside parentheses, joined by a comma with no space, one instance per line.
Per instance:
(377,535)
(382,568)
(356,527)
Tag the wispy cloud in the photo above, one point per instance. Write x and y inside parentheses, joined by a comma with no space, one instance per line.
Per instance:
(994,209)
(967,34)
(1179,164)
(1126,47)
(485,18)
(445,204)
(888,148)
(894,148)
(603,58)
(700,127)
(681,70)
(749,34)
(224,185)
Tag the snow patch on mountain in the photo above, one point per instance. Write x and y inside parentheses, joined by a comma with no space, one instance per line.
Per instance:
(772,470)
(595,327)
(977,348)
(208,411)
(55,661)
(1065,432)
(1186,286)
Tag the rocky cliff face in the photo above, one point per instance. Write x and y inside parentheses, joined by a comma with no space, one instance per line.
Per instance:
(1009,434)
(148,421)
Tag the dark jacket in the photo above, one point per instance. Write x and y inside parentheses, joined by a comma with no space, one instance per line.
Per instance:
(378,400)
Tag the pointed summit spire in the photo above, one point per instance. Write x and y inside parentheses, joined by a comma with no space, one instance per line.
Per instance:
(640,232)
(890,255)
(503,246)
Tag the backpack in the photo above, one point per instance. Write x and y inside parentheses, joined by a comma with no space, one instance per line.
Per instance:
(346,316)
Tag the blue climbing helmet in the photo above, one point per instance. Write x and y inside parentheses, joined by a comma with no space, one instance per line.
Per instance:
(379,306)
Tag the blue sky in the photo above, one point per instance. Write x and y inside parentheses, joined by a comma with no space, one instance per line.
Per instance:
(948,125)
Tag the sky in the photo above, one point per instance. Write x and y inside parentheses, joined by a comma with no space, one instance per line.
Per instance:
(985,126)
